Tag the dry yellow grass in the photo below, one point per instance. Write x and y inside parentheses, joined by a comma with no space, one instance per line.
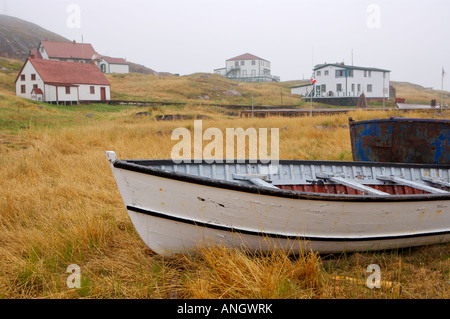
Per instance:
(59,206)
(201,87)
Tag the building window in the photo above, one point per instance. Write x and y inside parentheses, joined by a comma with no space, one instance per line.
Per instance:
(22,77)
(244,73)
(370,74)
(326,73)
(323,88)
(35,86)
(353,87)
(67,89)
(23,89)
(92,89)
(350,73)
(340,73)
(339,87)
(365,74)
(319,73)
(33,77)
(253,62)
(242,62)
(359,88)
(236,64)
(253,72)
(369,88)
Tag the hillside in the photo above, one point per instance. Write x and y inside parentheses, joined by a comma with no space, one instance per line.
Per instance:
(17,37)
(414,93)
(212,88)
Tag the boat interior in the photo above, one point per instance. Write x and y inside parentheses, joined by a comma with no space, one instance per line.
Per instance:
(352,178)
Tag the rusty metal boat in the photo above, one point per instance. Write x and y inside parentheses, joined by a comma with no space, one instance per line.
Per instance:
(401,140)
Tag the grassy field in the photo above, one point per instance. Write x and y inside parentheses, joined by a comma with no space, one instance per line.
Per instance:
(59,206)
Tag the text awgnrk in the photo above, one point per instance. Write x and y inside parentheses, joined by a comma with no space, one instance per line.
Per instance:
(213,151)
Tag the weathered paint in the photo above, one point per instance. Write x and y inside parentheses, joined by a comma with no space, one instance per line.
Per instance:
(401,140)
(204,204)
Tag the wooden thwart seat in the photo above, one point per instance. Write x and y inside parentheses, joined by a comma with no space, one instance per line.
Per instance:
(350,183)
(402,181)
(436,181)
(257,179)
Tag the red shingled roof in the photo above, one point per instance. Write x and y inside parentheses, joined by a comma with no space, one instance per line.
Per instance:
(68,73)
(35,53)
(246,56)
(37,91)
(114,60)
(68,50)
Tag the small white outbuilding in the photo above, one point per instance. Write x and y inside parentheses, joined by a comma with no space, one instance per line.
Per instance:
(114,65)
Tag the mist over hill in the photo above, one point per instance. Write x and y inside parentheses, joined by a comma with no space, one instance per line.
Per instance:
(18,37)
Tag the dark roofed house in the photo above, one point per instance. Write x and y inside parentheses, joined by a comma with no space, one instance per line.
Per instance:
(62,82)
(248,68)
(341,84)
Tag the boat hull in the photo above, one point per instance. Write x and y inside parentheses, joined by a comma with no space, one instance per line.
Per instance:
(401,140)
(177,215)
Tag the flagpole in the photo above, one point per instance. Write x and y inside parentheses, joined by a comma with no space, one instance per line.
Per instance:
(312,88)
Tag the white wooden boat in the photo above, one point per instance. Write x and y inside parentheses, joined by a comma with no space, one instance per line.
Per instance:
(326,207)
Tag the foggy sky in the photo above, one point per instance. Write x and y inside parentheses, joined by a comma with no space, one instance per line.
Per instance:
(408,37)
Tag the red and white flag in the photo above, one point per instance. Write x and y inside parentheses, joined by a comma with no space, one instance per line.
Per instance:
(313,80)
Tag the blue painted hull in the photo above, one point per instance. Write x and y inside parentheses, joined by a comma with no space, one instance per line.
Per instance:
(401,140)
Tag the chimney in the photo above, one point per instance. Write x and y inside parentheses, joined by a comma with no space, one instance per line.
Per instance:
(32,56)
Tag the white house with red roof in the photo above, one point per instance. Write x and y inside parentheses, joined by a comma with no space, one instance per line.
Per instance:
(247,68)
(114,65)
(66,51)
(79,52)
(61,82)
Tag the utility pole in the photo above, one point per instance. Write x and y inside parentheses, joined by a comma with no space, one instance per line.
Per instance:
(252,104)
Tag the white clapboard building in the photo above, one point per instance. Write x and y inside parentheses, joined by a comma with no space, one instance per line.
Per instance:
(60,82)
(113,65)
(247,68)
(339,81)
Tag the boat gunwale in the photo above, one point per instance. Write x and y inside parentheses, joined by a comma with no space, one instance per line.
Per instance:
(133,165)
(398,119)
